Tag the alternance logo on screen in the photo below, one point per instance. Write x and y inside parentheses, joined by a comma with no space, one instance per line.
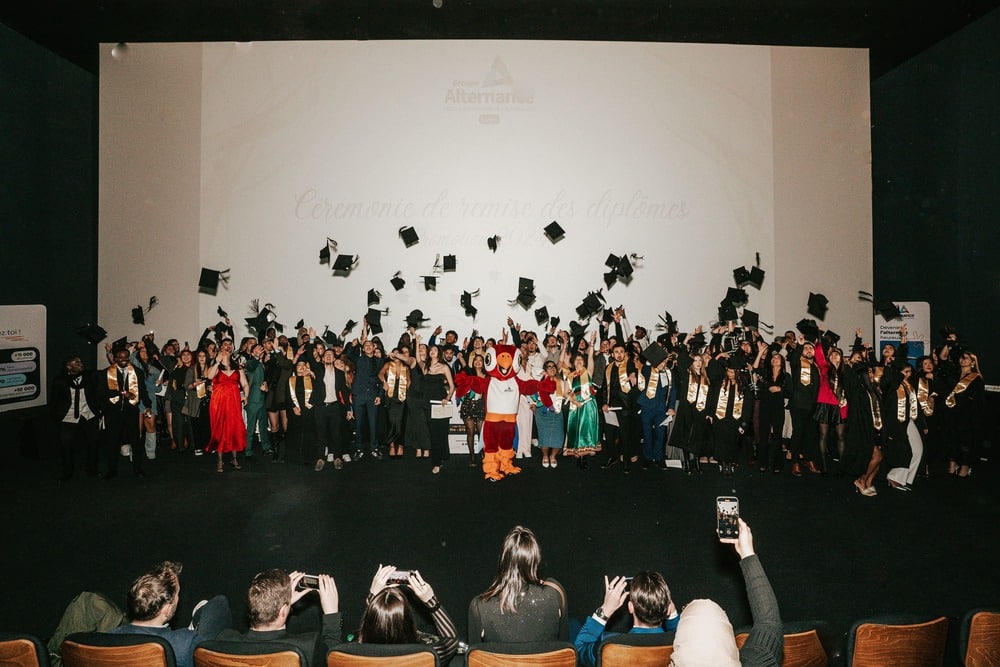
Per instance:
(497,91)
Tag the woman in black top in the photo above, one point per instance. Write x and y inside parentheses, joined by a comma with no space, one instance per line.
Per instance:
(773,388)
(438,389)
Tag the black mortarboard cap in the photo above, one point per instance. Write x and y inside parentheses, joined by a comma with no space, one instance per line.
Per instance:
(741,276)
(887,309)
(750,319)
(756,277)
(492,242)
(409,236)
(654,354)
(817,305)
(374,319)
(119,344)
(209,280)
(300,324)
(735,297)
(344,263)
(554,231)
(554,321)
(220,312)
(397,282)
(374,296)
(542,315)
(608,315)
(138,316)
(624,267)
(667,323)
(92,332)
(326,251)
(576,329)
(525,299)
(416,318)
(430,283)
(736,363)
(831,336)
(808,329)
(330,338)
(612,261)
(525,285)
(610,278)
(349,325)
(727,314)
(450,262)
(466,301)
(593,302)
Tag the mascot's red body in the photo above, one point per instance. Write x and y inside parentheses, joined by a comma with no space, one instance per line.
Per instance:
(501,390)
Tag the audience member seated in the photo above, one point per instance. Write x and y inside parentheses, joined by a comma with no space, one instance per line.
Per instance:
(649,603)
(388,619)
(270,599)
(152,602)
(519,606)
(705,636)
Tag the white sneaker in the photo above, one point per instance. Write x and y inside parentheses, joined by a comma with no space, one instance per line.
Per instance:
(194,615)
(329,458)
(199,452)
(346,458)
(319,465)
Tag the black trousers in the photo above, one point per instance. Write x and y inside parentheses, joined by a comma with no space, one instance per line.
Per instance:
(70,435)
(439,441)
(121,427)
(771,421)
(623,439)
(329,429)
(805,435)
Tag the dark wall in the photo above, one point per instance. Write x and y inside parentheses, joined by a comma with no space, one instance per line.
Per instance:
(936,172)
(48,190)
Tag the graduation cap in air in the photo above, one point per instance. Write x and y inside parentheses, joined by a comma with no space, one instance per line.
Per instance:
(667,323)
(470,310)
(330,338)
(612,261)
(348,326)
(554,231)
(591,304)
(608,315)
(397,282)
(576,329)
(221,313)
(610,278)
(327,251)
(654,354)
(884,307)
(492,242)
(727,313)
(93,333)
(374,319)
(208,282)
(756,277)
(832,337)
(374,297)
(817,305)
(808,328)
(300,324)
(735,297)
(430,283)
(416,318)
(138,314)
(542,315)
(409,236)
(344,264)
(447,264)
(554,321)
(741,276)
(525,293)
(624,268)
(751,320)
(262,317)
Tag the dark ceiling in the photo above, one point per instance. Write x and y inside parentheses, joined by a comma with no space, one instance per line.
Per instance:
(893,30)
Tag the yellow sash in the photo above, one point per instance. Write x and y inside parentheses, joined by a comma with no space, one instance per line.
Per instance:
(903,393)
(133,384)
(723,402)
(401,373)
(924,397)
(654,382)
(697,392)
(308,384)
(962,385)
(623,382)
(805,373)
(876,411)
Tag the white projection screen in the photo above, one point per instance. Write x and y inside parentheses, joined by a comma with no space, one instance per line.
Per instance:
(248,156)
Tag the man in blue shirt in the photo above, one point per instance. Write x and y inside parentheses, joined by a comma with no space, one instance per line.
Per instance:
(648,601)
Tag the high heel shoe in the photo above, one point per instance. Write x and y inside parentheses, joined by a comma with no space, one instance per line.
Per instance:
(236,464)
(220,468)
(859,487)
(811,467)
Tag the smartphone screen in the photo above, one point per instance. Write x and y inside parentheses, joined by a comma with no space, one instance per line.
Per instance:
(727,513)
(309,581)
(399,577)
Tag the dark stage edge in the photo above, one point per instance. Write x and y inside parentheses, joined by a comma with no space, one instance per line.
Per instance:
(830,553)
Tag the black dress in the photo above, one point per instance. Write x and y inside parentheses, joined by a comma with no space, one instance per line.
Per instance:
(435,390)
(418,412)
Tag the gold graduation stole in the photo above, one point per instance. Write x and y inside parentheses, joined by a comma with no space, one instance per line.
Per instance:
(723,402)
(654,382)
(805,373)
(133,384)
(924,397)
(584,385)
(308,384)
(962,385)
(876,411)
(622,377)
(902,393)
(878,371)
(398,372)
(697,392)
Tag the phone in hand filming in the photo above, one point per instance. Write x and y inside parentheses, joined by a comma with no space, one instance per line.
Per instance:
(727,515)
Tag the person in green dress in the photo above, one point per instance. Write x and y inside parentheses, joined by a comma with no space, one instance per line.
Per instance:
(583,427)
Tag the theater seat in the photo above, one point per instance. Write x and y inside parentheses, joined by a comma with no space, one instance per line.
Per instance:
(218,653)
(523,654)
(638,650)
(979,638)
(102,649)
(897,640)
(379,655)
(22,650)
(807,644)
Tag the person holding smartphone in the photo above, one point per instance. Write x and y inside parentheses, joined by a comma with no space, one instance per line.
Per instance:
(704,634)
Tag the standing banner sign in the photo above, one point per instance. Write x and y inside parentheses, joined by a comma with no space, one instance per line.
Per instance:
(916,315)
(22,357)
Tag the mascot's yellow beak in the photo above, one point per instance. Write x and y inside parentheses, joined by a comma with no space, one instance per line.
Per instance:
(504,361)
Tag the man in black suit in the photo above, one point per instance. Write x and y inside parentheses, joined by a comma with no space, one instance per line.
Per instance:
(618,394)
(122,393)
(75,405)
(332,397)
(270,599)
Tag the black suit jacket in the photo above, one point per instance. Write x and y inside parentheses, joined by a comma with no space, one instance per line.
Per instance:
(61,395)
(319,387)
(314,645)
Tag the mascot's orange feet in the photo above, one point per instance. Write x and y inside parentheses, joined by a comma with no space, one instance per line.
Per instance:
(507,466)
(491,464)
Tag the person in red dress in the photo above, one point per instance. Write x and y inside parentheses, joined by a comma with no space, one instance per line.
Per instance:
(225,410)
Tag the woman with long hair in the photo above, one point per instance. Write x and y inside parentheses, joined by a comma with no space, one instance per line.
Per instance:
(862,446)
(729,412)
(182,437)
(473,408)
(418,409)
(519,606)
(966,406)
(583,428)
(931,388)
(438,388)
(196,400)
(548,415)
(774,388)
(388,617)
(902,425)
(690,431)
(831,403)
(225,410)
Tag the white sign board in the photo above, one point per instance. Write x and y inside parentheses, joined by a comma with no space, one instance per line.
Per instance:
(916,315)
(22,357)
